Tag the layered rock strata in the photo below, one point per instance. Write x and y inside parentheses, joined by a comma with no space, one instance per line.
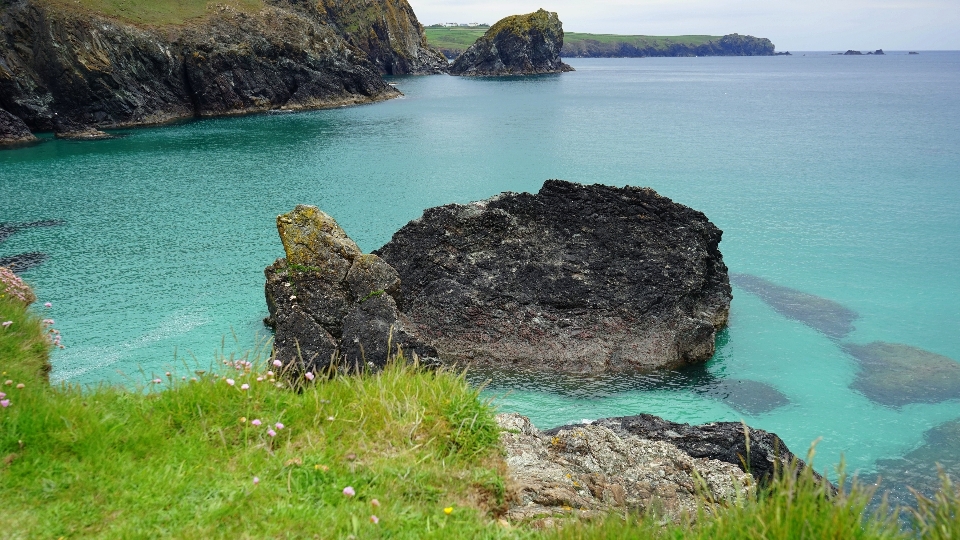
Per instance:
(332,306)
(516,45)
(74,72)
(574,278)
(589,469)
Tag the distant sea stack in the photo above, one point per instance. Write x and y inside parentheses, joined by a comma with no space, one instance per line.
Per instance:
(73,71)
(516,45)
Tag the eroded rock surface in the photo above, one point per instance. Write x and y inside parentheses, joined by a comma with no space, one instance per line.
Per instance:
(723,441)
(516,45)
(894,374)
(331,304)
(574,278)
(829,317)
(586,469)
(13,130)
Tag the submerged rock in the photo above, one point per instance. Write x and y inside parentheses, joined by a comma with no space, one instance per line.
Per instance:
(13,130)
(516,45)
(723,441)
(589,469)
(744,395)
(826,316)
(574,278)
(330,304)
(24,261)
(920,468)
(8,229)
(894,374)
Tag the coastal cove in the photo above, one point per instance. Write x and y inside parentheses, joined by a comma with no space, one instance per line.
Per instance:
(835,176)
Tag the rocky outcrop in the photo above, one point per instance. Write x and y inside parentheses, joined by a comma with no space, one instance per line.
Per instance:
(574,278)
(728,442)
(630,47)
(13,130)
(70,71)
(331,305)
(894,374)
(389,33)
(516,45)
(590,469)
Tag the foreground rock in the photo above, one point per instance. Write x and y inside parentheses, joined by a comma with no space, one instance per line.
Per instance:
(822,314)
(721,441)
(331,305)
(516,45)
(13,131)
(589,469)
(75,72)
(575,278)
(894,374)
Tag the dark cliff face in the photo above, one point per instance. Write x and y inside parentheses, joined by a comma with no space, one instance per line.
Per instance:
(388,32)
(13,131)
(729,45)
(517,45)
(60,70)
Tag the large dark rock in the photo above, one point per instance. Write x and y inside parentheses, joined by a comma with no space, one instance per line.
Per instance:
(13,130)
(70,71)
(722,441)
(575,278)
(330,304)
(516,45)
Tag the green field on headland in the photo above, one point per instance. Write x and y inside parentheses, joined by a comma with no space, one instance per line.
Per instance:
(240,450)
(154,12)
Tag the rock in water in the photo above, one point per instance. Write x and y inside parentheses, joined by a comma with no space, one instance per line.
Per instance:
(920,468)
(722,441)
(13,130)
(575,278)
(591,469)
(894,374)
(829,317)
(516,45)
(329,303)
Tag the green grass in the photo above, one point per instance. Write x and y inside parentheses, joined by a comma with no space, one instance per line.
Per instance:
(154,12)
(453,38)
(178,458)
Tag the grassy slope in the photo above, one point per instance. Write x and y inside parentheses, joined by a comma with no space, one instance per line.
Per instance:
(110,463)
(153,12)
(454,38)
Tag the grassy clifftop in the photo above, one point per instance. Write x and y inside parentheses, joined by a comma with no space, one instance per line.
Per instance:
(153,12)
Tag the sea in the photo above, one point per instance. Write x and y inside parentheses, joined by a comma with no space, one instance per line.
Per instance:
(835,180)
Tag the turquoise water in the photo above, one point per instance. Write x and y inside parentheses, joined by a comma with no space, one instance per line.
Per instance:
(837,176)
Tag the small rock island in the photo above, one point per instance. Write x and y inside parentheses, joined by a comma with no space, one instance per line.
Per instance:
(517,45)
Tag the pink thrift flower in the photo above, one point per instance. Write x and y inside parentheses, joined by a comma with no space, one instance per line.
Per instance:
(270,374)
(349,492)
(271,433)
(157,381)
(259,379)
(21,386)
(47,304)
(230,382)
(277,363)
(375,502)
(279,425)
(309,376)
(244,386)
(5,324)
(256,422)
(256,480)
(5,403)
(2,395)
(374,520)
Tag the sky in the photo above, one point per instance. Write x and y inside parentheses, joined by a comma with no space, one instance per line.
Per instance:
(802,25)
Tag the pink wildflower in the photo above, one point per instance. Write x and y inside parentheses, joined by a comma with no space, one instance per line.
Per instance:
(157,381)
(374,520)
(2,395)
(255,422)
(231,382)
(271,433)
(47,305)
(308,375)
(259,379)
(270,374)
(349,492)
(375,503)
(8,382)
(5,403)
(21,386)
(244,386)
(277,363)
(279,425)
(256,480)
(6,324)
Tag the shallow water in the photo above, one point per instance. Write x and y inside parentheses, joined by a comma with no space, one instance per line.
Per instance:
(835,176)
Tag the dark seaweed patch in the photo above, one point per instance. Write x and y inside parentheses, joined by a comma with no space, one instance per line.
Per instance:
(826,316)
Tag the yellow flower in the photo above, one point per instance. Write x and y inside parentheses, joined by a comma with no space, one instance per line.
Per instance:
(448,510)
(243,419)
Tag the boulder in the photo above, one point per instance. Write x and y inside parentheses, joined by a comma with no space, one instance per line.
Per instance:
(574,278)
(590,469)
(516,45)
(721,441)
(330,304)
(13,130)
(894,374)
